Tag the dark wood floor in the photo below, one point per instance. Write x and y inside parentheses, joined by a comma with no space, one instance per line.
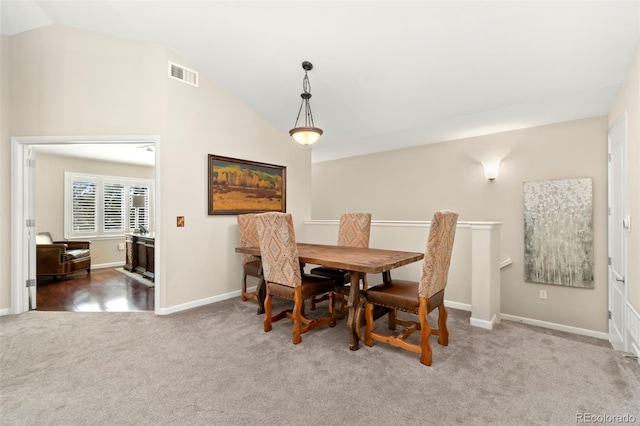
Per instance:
(103,290)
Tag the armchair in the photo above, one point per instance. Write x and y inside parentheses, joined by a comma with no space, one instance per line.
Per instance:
(60,258)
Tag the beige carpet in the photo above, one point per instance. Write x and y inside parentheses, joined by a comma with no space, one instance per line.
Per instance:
(214,365)
(136,277)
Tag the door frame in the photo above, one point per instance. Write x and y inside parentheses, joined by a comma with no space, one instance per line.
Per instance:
(624,344)
(22,240)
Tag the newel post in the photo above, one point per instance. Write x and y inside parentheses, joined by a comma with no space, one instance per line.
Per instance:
(485,274)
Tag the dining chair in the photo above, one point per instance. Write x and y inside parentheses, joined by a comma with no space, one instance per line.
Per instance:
(250,264)
(417,298)
(283,276)
(354,230)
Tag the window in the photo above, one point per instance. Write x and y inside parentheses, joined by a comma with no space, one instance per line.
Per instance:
(101,206)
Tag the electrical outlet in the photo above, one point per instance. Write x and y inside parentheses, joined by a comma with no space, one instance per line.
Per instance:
(543,294)
(121,246)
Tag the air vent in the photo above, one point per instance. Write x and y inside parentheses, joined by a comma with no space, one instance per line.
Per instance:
(183,74)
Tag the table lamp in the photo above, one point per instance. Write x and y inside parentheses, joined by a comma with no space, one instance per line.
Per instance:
(137,201)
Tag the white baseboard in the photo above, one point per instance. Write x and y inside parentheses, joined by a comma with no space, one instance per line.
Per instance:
(488,325)
(197,303)
(107,265)
(7,311)
(457,305)
(558,327)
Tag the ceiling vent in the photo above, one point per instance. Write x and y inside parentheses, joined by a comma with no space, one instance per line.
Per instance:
(183,74)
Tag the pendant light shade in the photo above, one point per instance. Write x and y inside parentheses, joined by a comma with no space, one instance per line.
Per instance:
(307,134)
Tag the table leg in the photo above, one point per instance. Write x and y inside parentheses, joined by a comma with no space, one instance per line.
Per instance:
(261,292)
(354,301)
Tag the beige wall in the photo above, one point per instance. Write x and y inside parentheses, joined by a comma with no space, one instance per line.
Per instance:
(410,184)
(629,99)
(68,82)
(49,198)
(210,120)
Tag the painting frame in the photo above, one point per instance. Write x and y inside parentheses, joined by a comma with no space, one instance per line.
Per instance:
(237,186)
(558,232)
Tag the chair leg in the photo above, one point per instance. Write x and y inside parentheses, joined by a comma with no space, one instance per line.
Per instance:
(392,319)
(297,316)
(313,303)
(244,288)
(332,309)
(368,314)
(425,333)
(443,338)
(267,313)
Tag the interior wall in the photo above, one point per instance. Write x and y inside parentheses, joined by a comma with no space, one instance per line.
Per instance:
(5,179)
(210,120)
(410,184)
(49,198)
(629,99)
(67,81)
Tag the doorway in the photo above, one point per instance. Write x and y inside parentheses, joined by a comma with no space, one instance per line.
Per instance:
(23,273)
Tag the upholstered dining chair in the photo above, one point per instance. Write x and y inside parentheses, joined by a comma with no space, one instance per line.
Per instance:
(418,298)
(283,276)
(354,230)
(250,264)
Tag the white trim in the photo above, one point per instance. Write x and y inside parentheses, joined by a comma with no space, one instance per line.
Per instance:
(457,305)
(107,265)
(19,233)
(632,323)
(635,349)
(488,325)
(4,312)
(558,327)
(198,303)
(410,223)
(506,262)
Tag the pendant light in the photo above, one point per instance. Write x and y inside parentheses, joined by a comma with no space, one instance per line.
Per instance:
(307,134)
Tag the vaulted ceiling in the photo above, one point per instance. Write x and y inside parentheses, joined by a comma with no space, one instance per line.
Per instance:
(386,74)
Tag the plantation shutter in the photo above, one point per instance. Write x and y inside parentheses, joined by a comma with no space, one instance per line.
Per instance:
(83,210)
(113,207)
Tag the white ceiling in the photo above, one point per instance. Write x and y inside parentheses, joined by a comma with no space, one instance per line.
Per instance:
(386,74)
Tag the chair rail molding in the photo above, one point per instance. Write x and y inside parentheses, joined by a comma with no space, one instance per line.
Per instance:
(476,281)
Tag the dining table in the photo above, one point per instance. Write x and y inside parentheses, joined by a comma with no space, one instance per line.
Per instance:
(355,260)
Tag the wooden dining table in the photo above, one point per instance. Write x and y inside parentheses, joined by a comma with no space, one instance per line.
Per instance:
(351,259)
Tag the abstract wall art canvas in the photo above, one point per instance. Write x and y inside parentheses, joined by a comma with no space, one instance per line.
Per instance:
(558,232)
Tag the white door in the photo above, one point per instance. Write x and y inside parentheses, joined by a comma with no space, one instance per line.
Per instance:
(618,228)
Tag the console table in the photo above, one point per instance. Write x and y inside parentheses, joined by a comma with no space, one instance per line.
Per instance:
(140,255)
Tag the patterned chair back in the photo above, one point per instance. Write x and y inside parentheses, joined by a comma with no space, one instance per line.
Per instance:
(354,230)
(278,249)
(248,235)
(437,258)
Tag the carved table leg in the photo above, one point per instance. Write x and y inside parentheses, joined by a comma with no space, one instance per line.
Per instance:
(354,301)
(261,292)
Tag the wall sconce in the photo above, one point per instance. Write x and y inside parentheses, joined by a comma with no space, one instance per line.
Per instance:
(307,134)
(491,170)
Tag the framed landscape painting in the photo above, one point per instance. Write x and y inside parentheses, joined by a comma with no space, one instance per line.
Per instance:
(242,186)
